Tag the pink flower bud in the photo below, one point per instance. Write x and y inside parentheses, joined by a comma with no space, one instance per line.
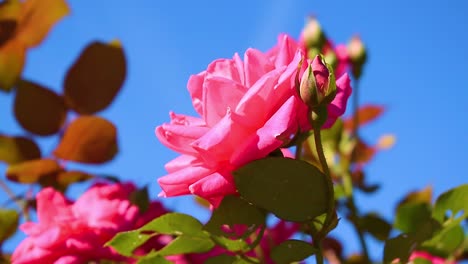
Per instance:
(317,85)
(313,34)
(357,55)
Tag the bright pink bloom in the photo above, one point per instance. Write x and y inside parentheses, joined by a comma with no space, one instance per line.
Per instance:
(248,109)
(427,256)
(68,232)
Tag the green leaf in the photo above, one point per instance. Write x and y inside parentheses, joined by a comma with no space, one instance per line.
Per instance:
(170,224)
(292,251)
(234,245)
(154,259)
(18,149)
(38,109)
(402,245)
(234,210)
(9,220)
(282,186)
(94,80)
(376,226)
(410,215)
(228,259)
(188,244)
(454,200)
(447,241)
(141,199)
(421,261)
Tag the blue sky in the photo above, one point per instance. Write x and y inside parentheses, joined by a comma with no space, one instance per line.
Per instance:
(416,68)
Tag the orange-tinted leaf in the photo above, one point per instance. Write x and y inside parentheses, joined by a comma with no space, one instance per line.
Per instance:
(17,149)
(33,171)
(68,177)
(366,114)
(12,57)
(88,139)
(10,10)
(37,18)
(420,196)
(95,78)
(38,109)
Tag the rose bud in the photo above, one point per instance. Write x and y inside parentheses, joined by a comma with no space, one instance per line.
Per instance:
(313,35)
(357,55)
(317,83)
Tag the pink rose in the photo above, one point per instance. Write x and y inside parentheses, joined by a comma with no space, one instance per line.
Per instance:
(427,256)
(248,109)
(68,232)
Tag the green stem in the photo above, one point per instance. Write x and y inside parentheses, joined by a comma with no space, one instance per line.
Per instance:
(12,196)
(329,181)
(318,255)
(354,216)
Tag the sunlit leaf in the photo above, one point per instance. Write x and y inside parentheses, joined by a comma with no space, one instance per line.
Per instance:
(366,114)
(447,241)
(228,259)
(17,149)
(9,220)
(12,58)
(170,224)
(154,259)
(292,251)
(30,21)
(409,216)
(33,171)
(421,261)
(94,80)
(282,186)
(88,139)
(422,196)
(184,244)
(38,109)
(37,19)
(454,200)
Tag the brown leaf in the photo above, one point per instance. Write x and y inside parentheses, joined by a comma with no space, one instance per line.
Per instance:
(37,19)
(94,80)
(33,171)
(17,149)
(366,114)
(38,109)
(88,139)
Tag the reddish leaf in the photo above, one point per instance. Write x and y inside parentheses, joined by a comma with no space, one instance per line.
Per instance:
(38,109)
(12,57)
(88,139)
(17,149)
(33,171)
(366,114)
(364,153)
(95,78)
